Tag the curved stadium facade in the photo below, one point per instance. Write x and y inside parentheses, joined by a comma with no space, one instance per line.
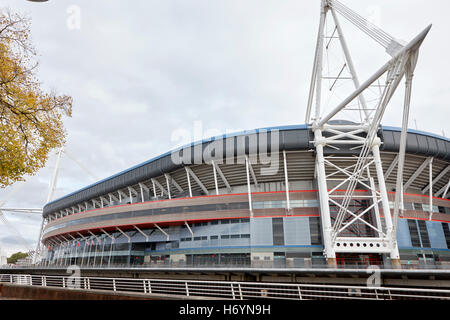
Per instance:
(248,199)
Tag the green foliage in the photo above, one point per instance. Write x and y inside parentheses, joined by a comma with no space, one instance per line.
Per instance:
(16,256)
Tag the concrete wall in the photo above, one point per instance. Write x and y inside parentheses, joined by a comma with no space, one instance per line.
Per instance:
(45,293)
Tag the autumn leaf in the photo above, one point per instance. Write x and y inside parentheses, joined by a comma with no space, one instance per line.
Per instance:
(30,120)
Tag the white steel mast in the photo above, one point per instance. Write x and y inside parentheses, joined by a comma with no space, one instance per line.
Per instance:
(339,176)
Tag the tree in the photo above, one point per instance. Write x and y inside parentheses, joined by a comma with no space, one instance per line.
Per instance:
(30,119)
(16,256)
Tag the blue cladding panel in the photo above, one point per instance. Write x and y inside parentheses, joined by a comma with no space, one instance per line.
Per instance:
(261,232)
(403,236)
(436,234)
(296,231)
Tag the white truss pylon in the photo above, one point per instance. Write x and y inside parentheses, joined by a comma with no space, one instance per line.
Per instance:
(351,220)
(51,192)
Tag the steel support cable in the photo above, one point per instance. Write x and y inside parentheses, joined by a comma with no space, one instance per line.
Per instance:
(394,79)
(362,24)
(378,38)
(370,29)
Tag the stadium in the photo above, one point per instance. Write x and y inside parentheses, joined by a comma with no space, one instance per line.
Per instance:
(342,190)
(252,199)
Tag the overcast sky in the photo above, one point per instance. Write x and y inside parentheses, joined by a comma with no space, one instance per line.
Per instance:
(141,70)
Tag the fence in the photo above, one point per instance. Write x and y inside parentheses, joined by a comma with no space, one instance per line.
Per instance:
(228,290)
(258,265)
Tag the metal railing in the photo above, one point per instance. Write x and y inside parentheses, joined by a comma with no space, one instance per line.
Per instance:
(227,290)
(259,265)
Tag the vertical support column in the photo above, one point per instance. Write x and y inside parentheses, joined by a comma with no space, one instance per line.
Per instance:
(130,195)
(215,177)
(249,189)
(189,182)
(316,78)
(375,202)
(142,192)
(89,244)
(154,189)
(431,188)
(327,229)
(103,251)
(323,15)
(286,181)
(110,251)
(349,61)
(391,234)
(168,186)
(402,148)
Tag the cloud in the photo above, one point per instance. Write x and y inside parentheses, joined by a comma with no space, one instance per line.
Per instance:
(140,70)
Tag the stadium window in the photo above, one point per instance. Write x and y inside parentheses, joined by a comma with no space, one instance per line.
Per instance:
(204,237)
(418,206)
(296,203)
(424,234)
(214,237)
(245,236)
(414,233)
(278,231)
(225,221)
(225,236)
(234,221)
(426,207)
(258,205)
(245,220)
(446,233)
(311,203)
(441,209)
(409,206)
(314,230)
(214,222)
(197,238)
(235,236)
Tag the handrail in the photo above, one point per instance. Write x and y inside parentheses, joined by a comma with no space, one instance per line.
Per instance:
(236,290)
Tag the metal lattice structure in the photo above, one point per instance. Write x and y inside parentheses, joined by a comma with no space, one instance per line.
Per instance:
(338,176)
(35,254)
